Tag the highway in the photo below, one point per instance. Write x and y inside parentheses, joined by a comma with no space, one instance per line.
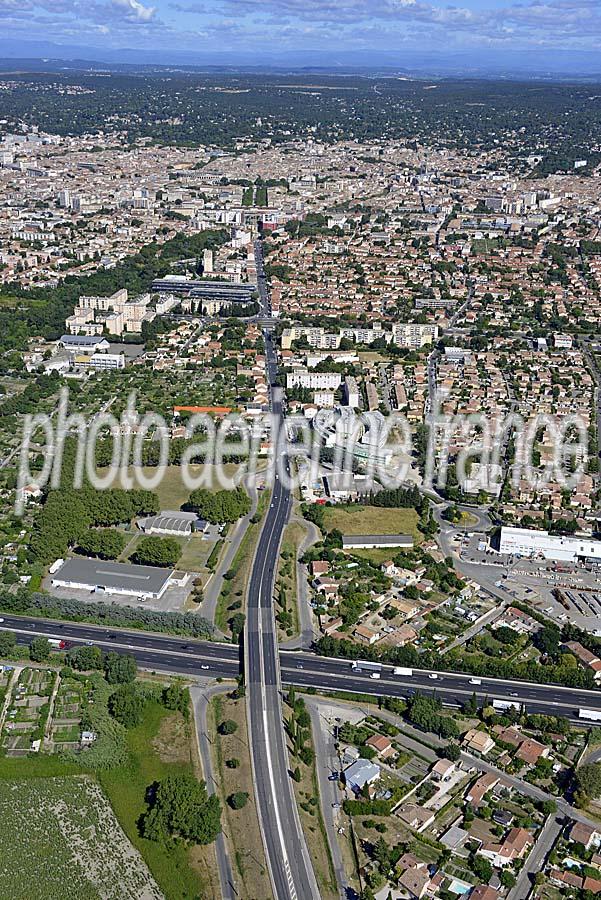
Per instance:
(213,660)
(286,851)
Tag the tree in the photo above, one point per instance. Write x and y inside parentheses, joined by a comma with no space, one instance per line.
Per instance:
(177,698)
(84,658)
(219,507)
(119,669)
(228,726)
(481,868)
(588,780)
(8,640)
(366,752)
(126,705)
(232,763)
(181,808)
(157,551)
(238,800)
(39,649)
(450,751)
(105,543)
(508,879)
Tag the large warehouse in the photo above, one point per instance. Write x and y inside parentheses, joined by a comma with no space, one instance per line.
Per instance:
(531,543)
(139,582)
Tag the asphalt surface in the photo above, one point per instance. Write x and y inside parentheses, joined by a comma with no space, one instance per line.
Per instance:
(213,660)
(290,868)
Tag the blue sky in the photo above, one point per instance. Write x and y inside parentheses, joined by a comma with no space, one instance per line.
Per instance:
(293,25)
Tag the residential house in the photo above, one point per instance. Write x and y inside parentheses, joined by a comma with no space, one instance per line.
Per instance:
(416,817)
(484,892)
(585,657)
(382,745)
(531,751)
(360,773)
(443,770)
(478,742)
(514,846)
(586,835)
(415,881)
(482,786)
(366,635)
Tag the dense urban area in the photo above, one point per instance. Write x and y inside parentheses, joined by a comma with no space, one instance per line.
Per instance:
(213,682)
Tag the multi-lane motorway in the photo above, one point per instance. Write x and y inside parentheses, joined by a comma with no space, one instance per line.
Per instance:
(286,851)
(214,660)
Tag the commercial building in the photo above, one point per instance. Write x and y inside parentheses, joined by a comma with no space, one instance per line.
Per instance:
(540,544)
(177,524)
(97,576)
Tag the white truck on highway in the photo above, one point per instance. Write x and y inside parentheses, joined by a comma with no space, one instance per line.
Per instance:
(505,704)
(360,665)
(401,670)
(593,715)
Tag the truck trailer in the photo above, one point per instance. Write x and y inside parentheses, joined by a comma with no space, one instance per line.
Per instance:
(592,715)
(360,665)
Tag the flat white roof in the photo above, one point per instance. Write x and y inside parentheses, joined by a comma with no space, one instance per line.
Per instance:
(530,541)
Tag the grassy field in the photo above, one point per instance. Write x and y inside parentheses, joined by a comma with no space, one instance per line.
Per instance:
(161,745)
(73,845)
(234,589)
(240,826)
(294,535)
(172,492)
(372,520)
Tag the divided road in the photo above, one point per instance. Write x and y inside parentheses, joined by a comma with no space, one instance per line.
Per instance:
(208,659)
(286,851)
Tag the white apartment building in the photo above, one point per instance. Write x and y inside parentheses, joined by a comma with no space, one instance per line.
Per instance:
(352,396)
(413,336)
(328,381)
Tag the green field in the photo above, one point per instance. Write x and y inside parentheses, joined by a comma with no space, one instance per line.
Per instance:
(157,749)
(372,520)
(172,492)
(60,838)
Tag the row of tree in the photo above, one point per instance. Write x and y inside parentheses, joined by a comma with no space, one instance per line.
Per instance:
(220,506)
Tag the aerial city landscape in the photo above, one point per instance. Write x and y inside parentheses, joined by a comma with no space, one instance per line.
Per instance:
(300,370)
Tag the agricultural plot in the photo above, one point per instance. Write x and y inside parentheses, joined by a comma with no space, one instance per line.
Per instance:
(28,712)
(74,846)
(72,698)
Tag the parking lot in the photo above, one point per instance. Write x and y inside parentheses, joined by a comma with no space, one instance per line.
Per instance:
(173,599)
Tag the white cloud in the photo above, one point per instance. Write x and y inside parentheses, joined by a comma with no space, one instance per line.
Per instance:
(135,11)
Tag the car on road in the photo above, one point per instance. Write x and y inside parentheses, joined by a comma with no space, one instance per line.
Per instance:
(475,681)
(299,665)
(375,675)
(1,620)
(204,667)
(334,776)
(513,693)
(433,675)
